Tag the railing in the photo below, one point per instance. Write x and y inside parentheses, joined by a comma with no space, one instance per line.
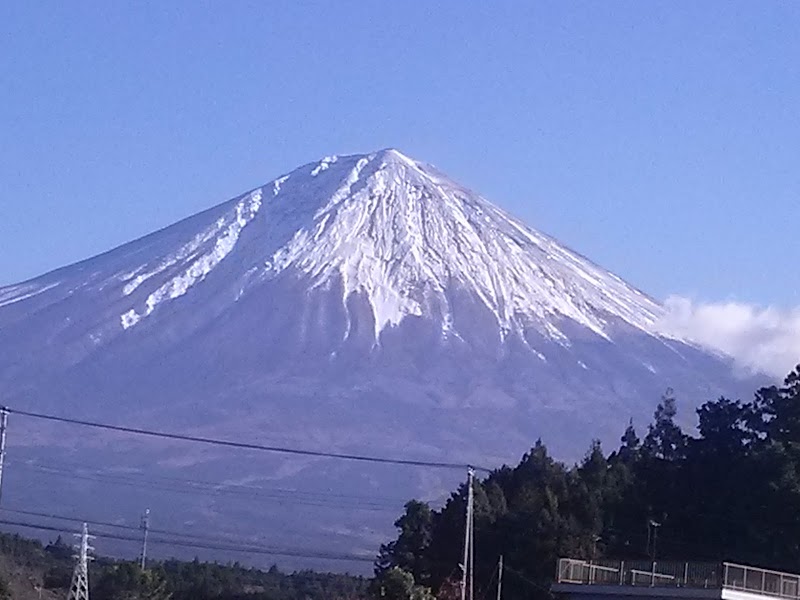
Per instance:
(679,574)
(761,581)
(642,573)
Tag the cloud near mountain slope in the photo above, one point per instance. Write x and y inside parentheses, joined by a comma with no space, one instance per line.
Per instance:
(760,338)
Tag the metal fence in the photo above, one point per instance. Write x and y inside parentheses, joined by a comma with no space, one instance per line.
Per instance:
(642,573)
(679,574)
(761,581)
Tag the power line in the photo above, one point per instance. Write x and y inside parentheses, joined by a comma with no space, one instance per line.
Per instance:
(528,581)
(70,467)
(249,446)
(208,488)
(121,526)
(226,539)
(79,467)
(221,546)
(32,513)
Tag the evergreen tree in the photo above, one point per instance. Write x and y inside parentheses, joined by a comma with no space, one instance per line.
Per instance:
(408,551)
(630,445)
(777,411)
(664,439)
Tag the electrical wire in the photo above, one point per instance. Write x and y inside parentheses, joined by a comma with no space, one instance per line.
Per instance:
(246,445)
(202,538)
(76,467)
(495,573)
(223,547)
(177,539)
(214,490)
(528,581)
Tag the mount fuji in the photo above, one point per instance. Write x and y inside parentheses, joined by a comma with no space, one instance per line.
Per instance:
(360,303)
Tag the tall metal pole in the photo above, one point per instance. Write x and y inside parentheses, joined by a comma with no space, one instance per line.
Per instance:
(500,579)
(655,538)
(3,426)
(466,566)
(472,548)
(144,526)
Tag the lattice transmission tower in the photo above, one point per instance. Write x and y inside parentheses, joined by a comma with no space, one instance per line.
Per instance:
(145,527)
(79,588)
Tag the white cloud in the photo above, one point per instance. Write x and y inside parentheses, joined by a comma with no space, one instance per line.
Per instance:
(760,339)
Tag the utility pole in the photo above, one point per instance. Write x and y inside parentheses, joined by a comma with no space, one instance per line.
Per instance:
(500,579)
(466,566)
(144,526)
(3,427)
(79,588)
(471,544)
(652,537)
(655,537)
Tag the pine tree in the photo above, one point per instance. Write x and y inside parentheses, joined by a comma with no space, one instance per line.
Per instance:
(409,550)
(664,439)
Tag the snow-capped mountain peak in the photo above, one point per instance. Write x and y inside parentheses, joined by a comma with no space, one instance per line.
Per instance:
(383,227)
(404,235)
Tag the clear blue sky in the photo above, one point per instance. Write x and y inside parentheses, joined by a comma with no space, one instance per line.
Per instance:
(661,139)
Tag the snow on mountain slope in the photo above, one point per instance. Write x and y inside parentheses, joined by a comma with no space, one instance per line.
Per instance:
(393,229)
(402,233)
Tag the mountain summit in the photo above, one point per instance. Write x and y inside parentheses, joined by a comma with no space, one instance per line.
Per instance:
(406,238)
(392,232)
(362,303)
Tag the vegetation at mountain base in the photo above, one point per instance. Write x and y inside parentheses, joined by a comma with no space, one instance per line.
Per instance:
(28,565)
(730,491)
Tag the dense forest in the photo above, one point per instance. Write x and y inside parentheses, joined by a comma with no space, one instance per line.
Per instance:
(729,491)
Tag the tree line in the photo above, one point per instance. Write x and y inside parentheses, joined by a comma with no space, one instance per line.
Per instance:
(728,491)
(50,567)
